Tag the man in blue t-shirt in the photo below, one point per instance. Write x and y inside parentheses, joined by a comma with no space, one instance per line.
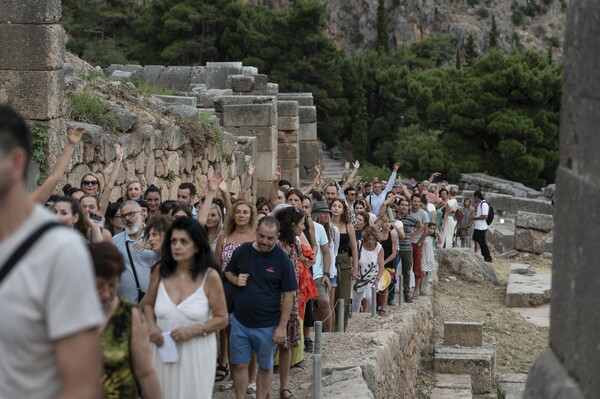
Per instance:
(262,309)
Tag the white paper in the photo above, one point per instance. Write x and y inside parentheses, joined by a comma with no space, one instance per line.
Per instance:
(168,352)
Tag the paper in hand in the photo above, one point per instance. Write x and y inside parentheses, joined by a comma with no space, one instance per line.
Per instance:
(168,352)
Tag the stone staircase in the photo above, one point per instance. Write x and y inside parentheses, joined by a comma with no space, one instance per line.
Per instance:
(332,168)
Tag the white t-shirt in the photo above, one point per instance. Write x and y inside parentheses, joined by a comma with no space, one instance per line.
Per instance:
(482,209)
(320,239)
(334,246)
(49,295)
(367,268)
(400,226)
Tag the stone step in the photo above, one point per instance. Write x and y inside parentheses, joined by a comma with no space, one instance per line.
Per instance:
(190,101)
(452,386)
(463,333)
(511,386)
(479,363)
(446,393)
(526,288)
(501,237)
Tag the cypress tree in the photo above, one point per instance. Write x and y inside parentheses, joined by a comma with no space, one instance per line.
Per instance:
(470,50)
(494,34)
(383,40)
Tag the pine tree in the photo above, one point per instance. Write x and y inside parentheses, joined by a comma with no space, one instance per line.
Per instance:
(470,50)
(383,40)
(458,61)
(494,34)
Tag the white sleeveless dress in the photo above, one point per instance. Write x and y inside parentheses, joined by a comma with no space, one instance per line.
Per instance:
(193,376)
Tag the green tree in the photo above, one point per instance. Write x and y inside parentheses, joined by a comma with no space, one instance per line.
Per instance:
(470,50)
(494,34)
(383,37)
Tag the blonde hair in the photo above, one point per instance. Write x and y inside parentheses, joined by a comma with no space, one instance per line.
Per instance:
(370,231)
(230,225)
(99,187)
(453,191)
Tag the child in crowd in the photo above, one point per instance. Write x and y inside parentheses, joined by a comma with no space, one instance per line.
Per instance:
(428,263)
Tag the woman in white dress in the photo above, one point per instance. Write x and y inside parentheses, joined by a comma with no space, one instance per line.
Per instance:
(449,222)
(370,268)
(189,308)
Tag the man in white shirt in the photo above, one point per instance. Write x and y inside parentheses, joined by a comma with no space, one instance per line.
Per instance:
(376,198)
(49,336)
(480,225)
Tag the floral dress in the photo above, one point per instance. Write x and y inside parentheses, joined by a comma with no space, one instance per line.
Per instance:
(293,327)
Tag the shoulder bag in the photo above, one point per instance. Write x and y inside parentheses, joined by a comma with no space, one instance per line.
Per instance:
(137,282)
(231,290)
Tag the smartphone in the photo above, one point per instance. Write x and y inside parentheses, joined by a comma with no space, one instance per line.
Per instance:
(95,217)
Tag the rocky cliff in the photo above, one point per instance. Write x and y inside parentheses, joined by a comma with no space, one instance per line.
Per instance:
(522,24)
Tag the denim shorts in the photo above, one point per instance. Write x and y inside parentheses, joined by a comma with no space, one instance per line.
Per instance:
(334,281)
(244,340)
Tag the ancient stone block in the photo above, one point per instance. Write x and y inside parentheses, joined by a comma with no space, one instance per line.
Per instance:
(185,111)
(288,123)
(30,12)
(240,83)
(151,74)
(307,132)
(528,290)
(266,137)
(222,101)
(287,108)
(310,156)
(453,381)
(189,101)
(265,164)
(175,77)
(260,81)
(198,75)
(249,70)
(530,240)
(21,47)
(175,138)
(287,151)
(248,115)
(206,98)
(304,99)
(463,333)
(263,188)
(217,73)
(535,221)
(125,119)
(479,363)
(34,95)
(272,89)
(464,262)
(307,114)
(122,76)
(287,136)
(500,237)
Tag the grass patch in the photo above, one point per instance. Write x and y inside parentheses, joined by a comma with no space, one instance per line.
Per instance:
(151,90)
(89,108)
(90,75)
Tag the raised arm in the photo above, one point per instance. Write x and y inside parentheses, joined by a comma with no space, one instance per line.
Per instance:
(392,179)
(42,193)
(314,181)
(247,181)
(110,183)
(224,189)
(275,186)
(211,189)
(351,177)
(433,175)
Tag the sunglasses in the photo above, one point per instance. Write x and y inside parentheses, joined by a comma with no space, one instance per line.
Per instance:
(89,182)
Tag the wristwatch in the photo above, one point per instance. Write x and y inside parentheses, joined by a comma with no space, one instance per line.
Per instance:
(327,274)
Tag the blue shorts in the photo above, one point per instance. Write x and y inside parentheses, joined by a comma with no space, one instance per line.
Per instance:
(244,340)
(334,281)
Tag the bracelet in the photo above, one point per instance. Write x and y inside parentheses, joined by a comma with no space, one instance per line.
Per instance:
(204,333)
(327,274)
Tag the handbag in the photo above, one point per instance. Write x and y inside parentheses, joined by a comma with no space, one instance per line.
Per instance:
(231,290)
(137,282)
(24,247)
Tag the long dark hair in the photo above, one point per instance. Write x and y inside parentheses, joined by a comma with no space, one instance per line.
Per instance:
(288,217)
(204,258)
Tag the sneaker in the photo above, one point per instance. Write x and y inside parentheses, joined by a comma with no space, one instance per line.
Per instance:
(308,345)
(423,292)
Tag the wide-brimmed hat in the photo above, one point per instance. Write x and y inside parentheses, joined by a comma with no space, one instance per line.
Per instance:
(320,206)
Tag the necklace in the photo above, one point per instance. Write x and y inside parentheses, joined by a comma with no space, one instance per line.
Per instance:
(182,276)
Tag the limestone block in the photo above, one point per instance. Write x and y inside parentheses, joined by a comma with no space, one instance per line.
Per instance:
(304,99)
(528,290)
(108,71)
(150,170)
(287,108)
(249,70)
(222,101)
(531,205)
(449,393)
(30,11)
(310,156)
(122,76)
(22,47)
(307,132)
(197,87)
(217,73)
(463,333)
(207,98)
(288,152)
(125,119)
(151,74)
(500,237)
(464,262)
(453,381)
(158,136)
(141,161)
(307,114)
(212,153)
(148,138)
(198,75)
(266,137)
(263,188)
(188,157)
(185,111)
(172,163)
(288,123)
(248,115)
(260,81)
(479,363)
(272,89)
(289,136)
(229,145)
(240,83)
(289,172)
(136,144)
(535,221)
(35,95)
(265,164)
(530,240)
(190,101)
(204,166)
(175,138)
(175,77)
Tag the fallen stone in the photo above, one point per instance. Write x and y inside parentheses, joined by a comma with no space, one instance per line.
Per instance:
(346,384)
(537,221)
(465,263)
(125,119)
(184,111)
(501,237)
(531,290)
(463,333)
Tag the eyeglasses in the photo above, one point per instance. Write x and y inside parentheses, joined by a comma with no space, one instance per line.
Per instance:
(129,215)
(89,182)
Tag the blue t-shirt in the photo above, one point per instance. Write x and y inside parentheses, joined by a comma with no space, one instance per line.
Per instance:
(271,273)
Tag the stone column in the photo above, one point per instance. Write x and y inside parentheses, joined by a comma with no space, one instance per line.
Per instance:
(570,368)
(31,76)
(287,141)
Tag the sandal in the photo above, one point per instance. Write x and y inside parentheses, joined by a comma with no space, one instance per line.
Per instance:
(286,391)
(251,389)
(222,373)
(225,386)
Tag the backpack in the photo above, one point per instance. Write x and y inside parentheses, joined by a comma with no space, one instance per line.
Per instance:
(490,215)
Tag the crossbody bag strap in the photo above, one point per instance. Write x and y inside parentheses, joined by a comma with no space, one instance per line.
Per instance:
(24,247)
(137,282)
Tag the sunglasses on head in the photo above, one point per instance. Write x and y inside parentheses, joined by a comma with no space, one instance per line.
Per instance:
(89,182)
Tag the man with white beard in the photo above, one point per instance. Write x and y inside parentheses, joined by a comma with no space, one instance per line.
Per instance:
(136,277)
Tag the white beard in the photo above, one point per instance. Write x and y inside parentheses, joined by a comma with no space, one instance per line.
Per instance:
(136,227)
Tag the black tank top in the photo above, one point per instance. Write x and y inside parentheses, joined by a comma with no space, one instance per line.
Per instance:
(345,244)
(387,249)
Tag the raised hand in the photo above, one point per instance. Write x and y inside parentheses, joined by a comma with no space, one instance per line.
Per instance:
(356,164)
(317,170)
(251,168)
(119,152)
(215,181)
(74,135)
(396,166)
(277,174)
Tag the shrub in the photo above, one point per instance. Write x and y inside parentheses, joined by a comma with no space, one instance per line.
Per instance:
(518,17)
(483,13)
(88,108)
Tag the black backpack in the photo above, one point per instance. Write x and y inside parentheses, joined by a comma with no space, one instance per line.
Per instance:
(490,215)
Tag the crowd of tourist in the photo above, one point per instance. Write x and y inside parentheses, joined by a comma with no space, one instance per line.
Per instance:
(193,292)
